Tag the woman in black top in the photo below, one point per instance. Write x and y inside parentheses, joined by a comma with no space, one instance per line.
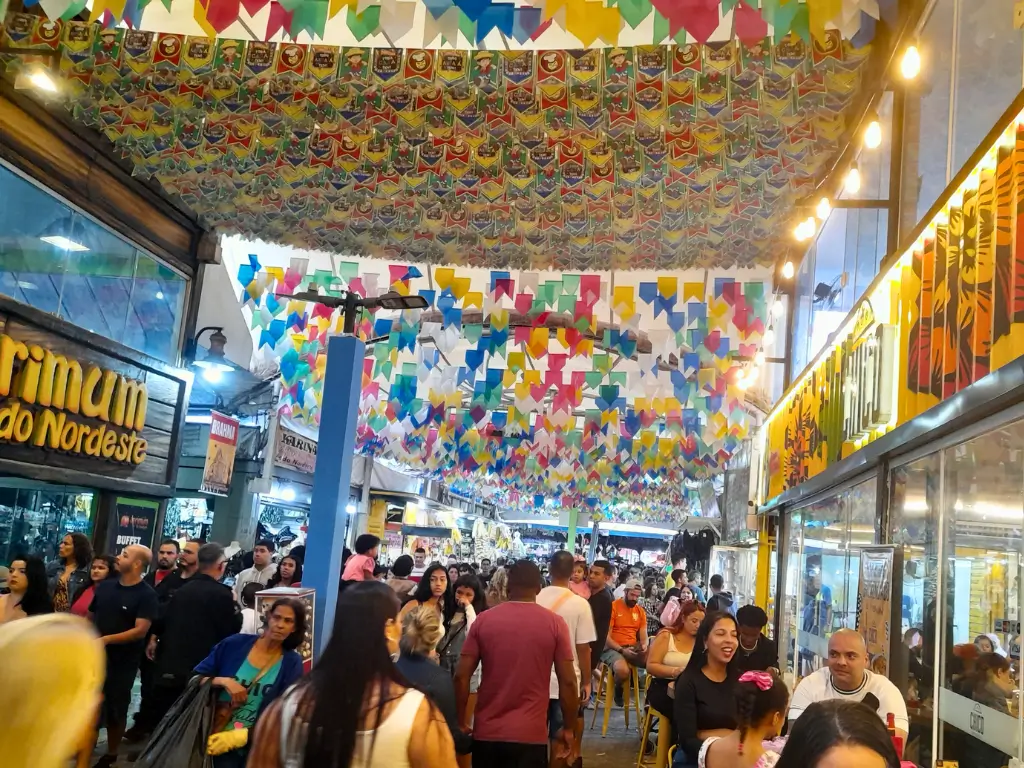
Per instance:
(705,701)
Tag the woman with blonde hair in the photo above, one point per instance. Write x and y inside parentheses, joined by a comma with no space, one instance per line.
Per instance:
(497,590)
(52,668)
(421,632)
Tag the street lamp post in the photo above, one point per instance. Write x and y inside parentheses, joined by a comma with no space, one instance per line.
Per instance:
(332,479)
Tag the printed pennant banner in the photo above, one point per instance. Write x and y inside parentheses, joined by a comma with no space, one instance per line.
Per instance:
(647,157)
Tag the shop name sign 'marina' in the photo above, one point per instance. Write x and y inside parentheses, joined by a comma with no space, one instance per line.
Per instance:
(52,398)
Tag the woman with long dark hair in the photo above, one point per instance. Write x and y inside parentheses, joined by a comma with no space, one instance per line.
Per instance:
(251,671)
(434,589)
(670,653)
(288,574)
(102,568)
(70,571)
(28,595)
(838,733)
(354,710)
(705,705)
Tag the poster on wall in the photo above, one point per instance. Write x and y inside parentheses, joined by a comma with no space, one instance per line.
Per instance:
(220,455)
(874,604)
(294,451)
(134,524)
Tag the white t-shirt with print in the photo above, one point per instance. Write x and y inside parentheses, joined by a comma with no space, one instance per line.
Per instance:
(818,687)
(577,614)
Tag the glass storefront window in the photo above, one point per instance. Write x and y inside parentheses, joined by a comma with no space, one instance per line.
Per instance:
(958,515)
(914,526)
(983,503)
(822,572)
(58,260)
(34,517)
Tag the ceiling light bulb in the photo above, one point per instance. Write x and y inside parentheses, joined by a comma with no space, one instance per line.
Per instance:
(810,227)
(873,135)
(769,337)
(910,64)
(213,375)
(759,358)
(788,270)
(777,307)
(852,180)
(740,374)
(742,383)
(799,232)
(41,80)
(823,209)
(159,294)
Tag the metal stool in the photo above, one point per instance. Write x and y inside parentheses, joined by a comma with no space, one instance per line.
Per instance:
(607,686)
(664,737)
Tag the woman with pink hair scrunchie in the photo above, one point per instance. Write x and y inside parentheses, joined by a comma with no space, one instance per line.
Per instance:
(761,702)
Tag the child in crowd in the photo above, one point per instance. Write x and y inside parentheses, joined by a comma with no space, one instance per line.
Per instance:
(761,702)
(578,582)
(250,619)
(361,565)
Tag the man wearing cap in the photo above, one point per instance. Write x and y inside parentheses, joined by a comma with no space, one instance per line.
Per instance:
(627,637)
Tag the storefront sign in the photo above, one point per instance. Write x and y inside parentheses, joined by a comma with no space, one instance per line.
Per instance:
(220,455)
(847,397)
(135,524)
(47,392)
(78,408)
(294,451)
(868,394)
(874,604)
(377,519)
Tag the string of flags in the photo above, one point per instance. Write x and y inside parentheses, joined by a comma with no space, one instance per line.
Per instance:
(532,385)
(497,24)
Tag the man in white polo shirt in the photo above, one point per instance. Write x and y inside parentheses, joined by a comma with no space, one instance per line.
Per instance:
(580,620)
(847,678)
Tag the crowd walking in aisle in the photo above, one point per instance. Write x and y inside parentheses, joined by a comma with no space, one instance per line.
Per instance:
(436,664)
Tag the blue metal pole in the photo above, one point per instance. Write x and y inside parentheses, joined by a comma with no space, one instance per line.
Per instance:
(325,538)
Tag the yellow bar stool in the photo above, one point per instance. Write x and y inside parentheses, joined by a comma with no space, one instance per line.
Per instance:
(607,688)
(664,738)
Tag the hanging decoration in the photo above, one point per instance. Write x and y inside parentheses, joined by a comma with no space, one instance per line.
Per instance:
(493,24)
(529,386)
(647,157)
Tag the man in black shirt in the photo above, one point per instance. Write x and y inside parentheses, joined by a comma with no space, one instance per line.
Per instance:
(202,613)
(166,586)
(123,611)
(601,607)
(755,651)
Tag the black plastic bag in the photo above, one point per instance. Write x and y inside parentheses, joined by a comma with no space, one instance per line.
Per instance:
(179,741)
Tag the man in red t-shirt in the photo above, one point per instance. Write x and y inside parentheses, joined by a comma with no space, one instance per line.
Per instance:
(517,642)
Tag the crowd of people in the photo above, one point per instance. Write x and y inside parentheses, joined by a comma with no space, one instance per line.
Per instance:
(444,663)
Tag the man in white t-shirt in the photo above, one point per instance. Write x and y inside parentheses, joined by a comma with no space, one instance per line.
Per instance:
(419,564)
(578,616)
(846,678)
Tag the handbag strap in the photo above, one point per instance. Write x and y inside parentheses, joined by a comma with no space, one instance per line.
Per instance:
(264,670)
(450,638)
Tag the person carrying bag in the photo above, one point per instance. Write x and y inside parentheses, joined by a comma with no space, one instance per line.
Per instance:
(180,739)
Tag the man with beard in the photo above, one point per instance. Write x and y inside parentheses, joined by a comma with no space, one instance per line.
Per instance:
(166,562)
(166,586)
(627,641)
